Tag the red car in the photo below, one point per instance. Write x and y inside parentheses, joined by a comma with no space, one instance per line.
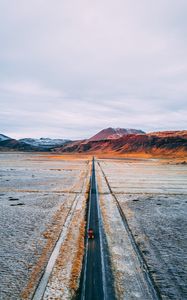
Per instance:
(90,234)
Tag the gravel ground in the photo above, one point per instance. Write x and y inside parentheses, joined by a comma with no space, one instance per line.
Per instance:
(36,193)
(129,280)
(159,223)
(153,196)
(32,190)
(64,279)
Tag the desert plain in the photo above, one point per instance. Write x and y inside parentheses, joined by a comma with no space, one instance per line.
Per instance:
(43,202)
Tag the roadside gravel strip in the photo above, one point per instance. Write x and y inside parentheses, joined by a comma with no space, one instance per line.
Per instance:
(54,255)
(56,289)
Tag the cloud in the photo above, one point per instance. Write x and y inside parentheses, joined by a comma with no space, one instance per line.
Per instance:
(28,89)
(75,67)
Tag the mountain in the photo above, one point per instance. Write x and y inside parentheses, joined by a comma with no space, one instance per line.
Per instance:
(4,138)
(157,143)
(113,133)
(108,141)
(44,143)
(14,145)
(181,133)
(7,144)
(28,144)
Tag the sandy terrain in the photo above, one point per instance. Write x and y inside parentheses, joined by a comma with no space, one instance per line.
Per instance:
(36,196)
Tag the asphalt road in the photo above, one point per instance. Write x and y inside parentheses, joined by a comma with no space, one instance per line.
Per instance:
(92,283)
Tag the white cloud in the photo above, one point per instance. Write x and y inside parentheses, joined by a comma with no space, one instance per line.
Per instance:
(28,89)
(77,66)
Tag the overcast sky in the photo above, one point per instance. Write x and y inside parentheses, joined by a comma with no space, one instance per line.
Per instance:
(69,68)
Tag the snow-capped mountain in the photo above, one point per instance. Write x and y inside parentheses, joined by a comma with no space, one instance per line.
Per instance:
(114,133)
(44,142)
(4,138)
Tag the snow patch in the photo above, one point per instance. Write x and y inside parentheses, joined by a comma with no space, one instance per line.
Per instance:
(3,137)
(44,142)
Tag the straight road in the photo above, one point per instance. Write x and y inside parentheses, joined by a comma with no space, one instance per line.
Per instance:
(92,283)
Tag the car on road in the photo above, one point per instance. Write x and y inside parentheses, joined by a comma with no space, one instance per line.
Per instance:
(90,233)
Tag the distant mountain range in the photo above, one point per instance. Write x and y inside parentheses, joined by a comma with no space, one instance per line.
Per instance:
(4,138)
(29,144)
(109,141)
(44,143)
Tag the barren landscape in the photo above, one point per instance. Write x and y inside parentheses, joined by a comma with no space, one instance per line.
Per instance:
(93,150)
(43,199)
(39,198)
(152,195)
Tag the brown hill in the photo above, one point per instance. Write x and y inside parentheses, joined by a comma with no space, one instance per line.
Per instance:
(181,133)
(158,143)
(114,133)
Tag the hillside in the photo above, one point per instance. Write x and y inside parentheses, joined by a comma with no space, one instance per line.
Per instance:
(113,133)
(14,145)
(29,144)
(108,141)
(4,138)
(44,143)
(157,143)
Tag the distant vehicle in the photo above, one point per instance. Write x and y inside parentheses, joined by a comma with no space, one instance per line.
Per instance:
(90,233)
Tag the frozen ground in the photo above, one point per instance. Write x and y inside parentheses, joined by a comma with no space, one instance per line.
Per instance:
(36,196)
(40,195)
(64,279)
(153,196)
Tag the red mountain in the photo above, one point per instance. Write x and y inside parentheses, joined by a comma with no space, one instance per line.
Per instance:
(158,143)
(113,133)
